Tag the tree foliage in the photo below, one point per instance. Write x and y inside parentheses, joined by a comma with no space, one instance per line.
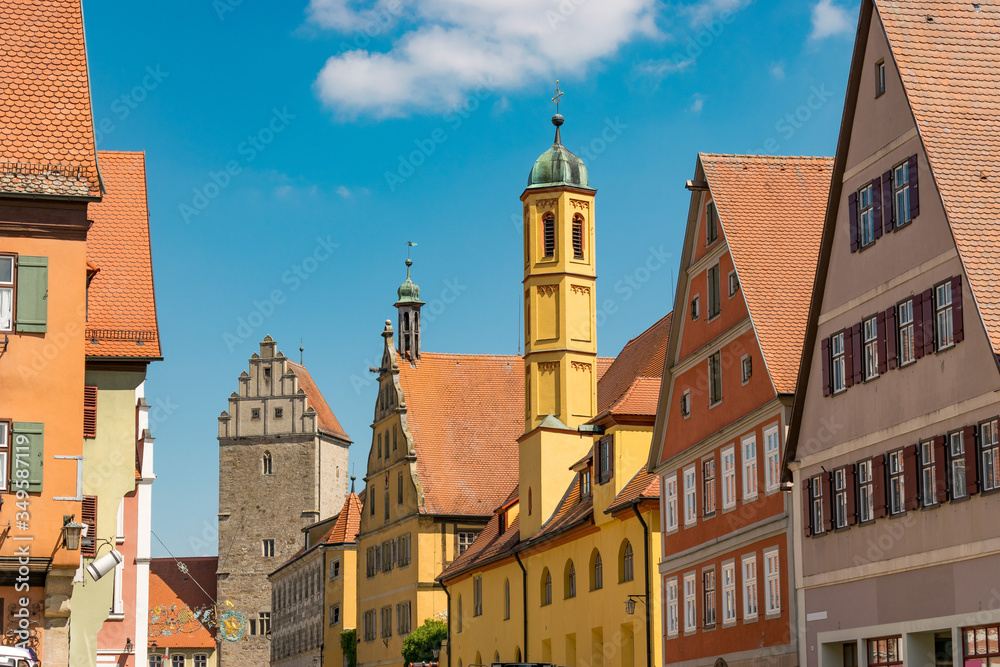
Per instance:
(417,645)
(349,643)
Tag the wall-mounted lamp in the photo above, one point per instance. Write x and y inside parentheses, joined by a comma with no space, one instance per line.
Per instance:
(129,646)
(630,603)
(71,531)
(4,343)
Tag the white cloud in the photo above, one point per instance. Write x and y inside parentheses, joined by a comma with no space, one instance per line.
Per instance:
(829,19)
(343,192)
(778,70)
(444,51)
(697,103)
(705,11)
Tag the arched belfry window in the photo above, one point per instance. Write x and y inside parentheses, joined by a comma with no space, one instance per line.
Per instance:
(577,236)
(267,463)
(549,235)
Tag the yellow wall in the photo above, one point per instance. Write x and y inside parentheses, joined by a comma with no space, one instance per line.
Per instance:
(545,457)
(342,591)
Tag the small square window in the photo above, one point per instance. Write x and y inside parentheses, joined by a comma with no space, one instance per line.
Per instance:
(279,413)
(267,372)
(747,366)
(686,403)
(268,548)
(879,78)
(734,283)
(254,413)
(696,307)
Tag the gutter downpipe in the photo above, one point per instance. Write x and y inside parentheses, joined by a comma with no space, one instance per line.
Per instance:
(447,594)
(649,601)
(524,599)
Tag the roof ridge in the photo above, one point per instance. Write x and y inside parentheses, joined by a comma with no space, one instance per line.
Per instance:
(646,331)
(452,355)
(764,157)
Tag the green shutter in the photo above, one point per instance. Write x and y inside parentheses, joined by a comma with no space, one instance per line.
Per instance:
(34,434)
(32,293)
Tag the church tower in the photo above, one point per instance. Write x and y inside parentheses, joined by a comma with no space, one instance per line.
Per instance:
(560,358)
(408,305)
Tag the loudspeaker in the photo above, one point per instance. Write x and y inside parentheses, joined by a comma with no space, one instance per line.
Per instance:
(105,564)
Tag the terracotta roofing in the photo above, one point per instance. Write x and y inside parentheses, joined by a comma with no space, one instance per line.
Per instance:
(465,413)
(640,399)
(489,546)
(641,356)
(345,528)
(326,420)
(571,510)
(45,110)
(121,302)
(759,198)
(644,486)
(949,61)
(172,592)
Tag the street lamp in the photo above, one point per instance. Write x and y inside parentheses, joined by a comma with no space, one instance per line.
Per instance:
(630,603)
(72,531)
(129,647)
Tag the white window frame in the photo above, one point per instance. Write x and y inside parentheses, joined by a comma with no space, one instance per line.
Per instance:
(866,492)
(729,477)
(816,504)
(709,597)
(904,316)
(989,446)
(944,326)
(772,459)
(690,603)
(749,575)
(670,501)
(901,194)
(748,448)
(838,363)
(896,490)
(464,541)
(177,660)
(746,368)
(928,474)
(8,287)
(956,465)
(120,523)
(710,478)
(670,595)
(840,491)
(335,568)
(4,453)
(690,495)
(686,403)
(866,216)
(728,593)
(772,579)
(334,614)
(200,660)
(734,283)
(870,333)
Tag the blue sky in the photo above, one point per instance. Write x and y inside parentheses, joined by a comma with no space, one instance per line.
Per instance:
(279,133)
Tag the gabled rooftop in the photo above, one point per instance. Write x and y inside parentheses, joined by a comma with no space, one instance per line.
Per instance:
(325,418)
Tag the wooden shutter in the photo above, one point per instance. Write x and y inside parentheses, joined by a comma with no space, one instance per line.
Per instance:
(927,305)
(90,411)
(825,354)
(891,338)
(887,214)
(878,485)
(883,361)
(88,517)
(957,320)
(911,475)
(877,207)
(826,486)
(971,460)
(852,208)
(849,358)
(806,508)
(32,294)
(940,446)
(918,326)
(33,436)
(859,359)
(852,491)
(911,167)
(610,472)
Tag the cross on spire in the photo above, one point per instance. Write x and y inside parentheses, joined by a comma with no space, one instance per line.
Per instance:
(558,94)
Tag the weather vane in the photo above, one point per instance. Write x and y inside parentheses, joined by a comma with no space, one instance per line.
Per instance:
(409,244)
(559,94)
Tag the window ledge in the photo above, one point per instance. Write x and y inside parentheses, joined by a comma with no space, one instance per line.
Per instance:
(772,615)
(717,403)
(748,621)
(725,509)
(116,617)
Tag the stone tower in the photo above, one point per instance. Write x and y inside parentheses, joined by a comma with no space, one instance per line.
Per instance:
(560,352)
(282,466)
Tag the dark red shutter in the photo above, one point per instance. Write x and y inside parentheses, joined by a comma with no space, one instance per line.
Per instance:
(859,359)
(918,326)
(887,214)
(610,472)
(806,508)
(971,460)
(878,485)
(891,337)
(914,187)
(827,501)
(852,207)
(825,353)
(852,510)
(90,411)
(956,309)
(877,207)
(940,468)
(849,358)
(911,474)
(88,517)
(883,361)
(927,305)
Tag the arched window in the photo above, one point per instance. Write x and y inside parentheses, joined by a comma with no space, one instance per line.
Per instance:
(506,601)
(546,587)
(496,657)
(380,445)
(596,571)
(578,236)
(459,618)
(529,501)
(479,658)
(569,582)
(386,505)
(267,463)
(394,437)
(387,444)
(626,570)
(549,235)
(517,654)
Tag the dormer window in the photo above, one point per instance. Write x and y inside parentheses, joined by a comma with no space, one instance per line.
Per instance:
(585,483)
(549,235)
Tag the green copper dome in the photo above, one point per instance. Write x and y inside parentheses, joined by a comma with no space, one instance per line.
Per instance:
(409,291)
(558,166)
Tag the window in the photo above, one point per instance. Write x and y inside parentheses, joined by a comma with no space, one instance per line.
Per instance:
(982,645)
(734,283)
(506,599)
(404,619)
(686,403)
(155,661)
(866,492)
(200,660)
(403,550)
(268,548)
(749,468)
(866,215)
(746,368)
(728,593)
(264,622)
(928,479)
(690,496)
(6,293)
(696,307)
(386,613)
(4,453)
(334,569)
(690,604)
(570,583)
(879,78)
(714,292)
(399,489)
(711,224)
(585,482)
(850,654)
(749,587)
(944,331)
(670,501)
(370,498)
(254,414)
(840,498)
(838,365)
(708,596)
(548,235)
(671,595)
(871,348)
(379,446)
(956,444)
(729,477)
(715,378)
(267,463)
(334,614)
(772,580)
(279,413)
(897,486)
(708,486)
(596,571)
(885,651)
(546,588)
(577,236)
(901,193)
(465,540)
(772,459)
(370,569)
(177,660)
(477,595)
(816,494)
(386,549)
(387,444)
(605,459)
(386,506)
(395,433)
(627,563)
(369,625)
(460,618)
(906,351)
(990,447)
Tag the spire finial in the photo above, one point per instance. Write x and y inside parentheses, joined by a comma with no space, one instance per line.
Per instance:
(557,119)
(301,350)
(558,94)
(352,483)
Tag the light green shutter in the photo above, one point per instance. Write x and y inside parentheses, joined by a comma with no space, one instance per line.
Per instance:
(34,433)
(32,293)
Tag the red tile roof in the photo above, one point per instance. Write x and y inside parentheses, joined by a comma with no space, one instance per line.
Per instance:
(644,486)
(172,593)
(949,61)
(640,399)
(45,110)
(489,546)
(571,511)
(345,528)
(641,356)
(465,413)
(121,302)
(760,198)
(324,415)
